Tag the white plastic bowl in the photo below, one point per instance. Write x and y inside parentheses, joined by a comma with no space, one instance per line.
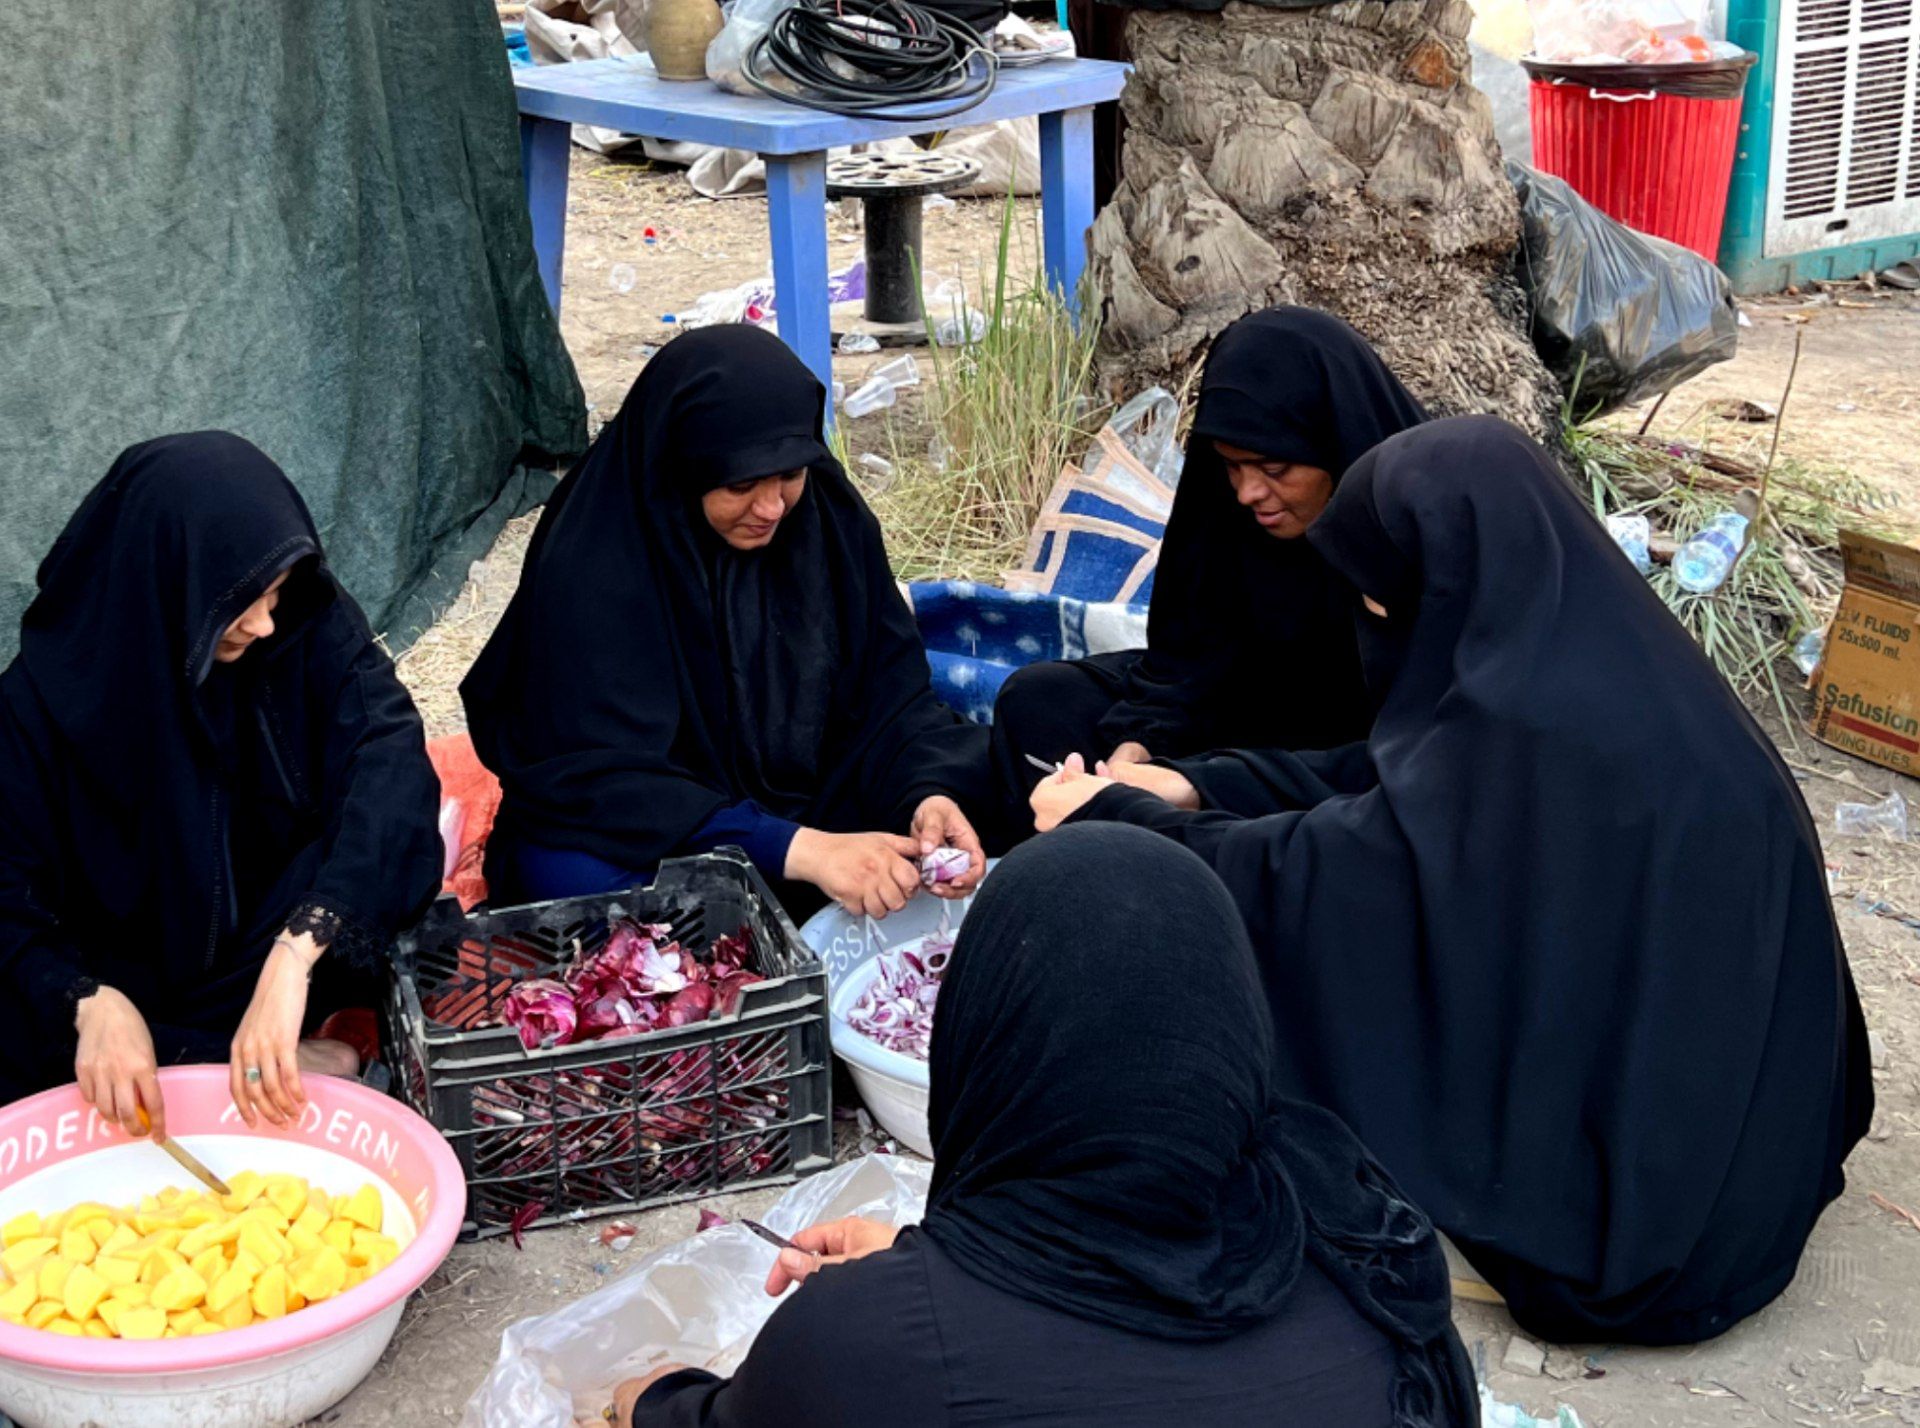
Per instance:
(894,1086)
(55,1151)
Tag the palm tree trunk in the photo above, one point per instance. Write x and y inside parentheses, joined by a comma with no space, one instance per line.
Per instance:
(1337,156)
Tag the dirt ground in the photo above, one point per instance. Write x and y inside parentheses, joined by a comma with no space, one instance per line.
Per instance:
(1850,1321)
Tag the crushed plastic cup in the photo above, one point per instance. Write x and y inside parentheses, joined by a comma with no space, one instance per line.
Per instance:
(901,371)
(621,277)
(959,330)
(874,394)
(1861,820)
(839,394)
(939,454)
(854,344)
(1633,534)
(1808,650)
(937,203)
(878,465)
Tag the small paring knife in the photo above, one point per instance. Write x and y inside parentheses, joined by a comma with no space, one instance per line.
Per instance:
(185,1159)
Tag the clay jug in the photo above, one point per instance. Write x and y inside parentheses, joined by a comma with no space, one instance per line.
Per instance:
(678,33)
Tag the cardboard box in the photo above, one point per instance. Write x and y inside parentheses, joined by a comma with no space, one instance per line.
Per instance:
(1866,692)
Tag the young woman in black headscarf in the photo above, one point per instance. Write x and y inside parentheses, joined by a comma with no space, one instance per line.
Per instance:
(1107,1244)
(1249,639)
(216,807)
(1556,941)
(707,648)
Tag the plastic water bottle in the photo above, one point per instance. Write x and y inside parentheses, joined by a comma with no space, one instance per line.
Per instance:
(875,394)
(1703,562)
(1633,534)
(855,343)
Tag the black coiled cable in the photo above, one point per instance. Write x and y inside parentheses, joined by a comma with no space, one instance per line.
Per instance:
(889,52)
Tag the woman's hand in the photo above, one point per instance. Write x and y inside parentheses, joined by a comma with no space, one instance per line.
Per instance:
(871,873)
(1131,752)
(265,1070)
(1169,784)
(627,1396)
(835,1242)
(118,1073)
(939,823)
(1061,795)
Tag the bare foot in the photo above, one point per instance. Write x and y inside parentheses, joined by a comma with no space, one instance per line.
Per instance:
(328,1058)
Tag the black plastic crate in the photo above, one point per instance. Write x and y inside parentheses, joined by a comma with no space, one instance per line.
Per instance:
(626,1123)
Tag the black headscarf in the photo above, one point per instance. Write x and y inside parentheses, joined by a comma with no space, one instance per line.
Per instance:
(1249,639)
(1108,1137)
(1563,954)
(647,675)
(167,813)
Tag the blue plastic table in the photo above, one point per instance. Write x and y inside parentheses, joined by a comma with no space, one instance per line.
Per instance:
(626,94)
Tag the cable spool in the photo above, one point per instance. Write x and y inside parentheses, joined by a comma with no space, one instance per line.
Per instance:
(862,58)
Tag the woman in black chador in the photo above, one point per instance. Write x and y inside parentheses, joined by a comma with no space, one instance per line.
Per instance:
(1555,940)
(216,807)
(707,648)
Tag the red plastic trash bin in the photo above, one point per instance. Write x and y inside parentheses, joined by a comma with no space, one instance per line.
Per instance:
(1651,145)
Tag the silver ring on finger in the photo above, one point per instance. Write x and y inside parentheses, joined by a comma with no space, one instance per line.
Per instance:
(253,1075)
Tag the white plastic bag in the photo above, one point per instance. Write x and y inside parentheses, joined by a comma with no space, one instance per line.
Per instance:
(1623,31)
(747,21)
(700,1302)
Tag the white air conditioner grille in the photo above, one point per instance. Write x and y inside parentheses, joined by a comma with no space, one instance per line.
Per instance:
(1846,159)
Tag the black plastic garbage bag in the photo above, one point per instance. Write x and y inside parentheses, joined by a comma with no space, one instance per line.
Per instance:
(1618,316)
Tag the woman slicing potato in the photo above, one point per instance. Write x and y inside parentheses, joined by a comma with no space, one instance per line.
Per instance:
(215,801)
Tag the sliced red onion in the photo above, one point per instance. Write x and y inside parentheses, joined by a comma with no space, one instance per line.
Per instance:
(943,865)
(542,1011)
(895,1010)
(710,1221)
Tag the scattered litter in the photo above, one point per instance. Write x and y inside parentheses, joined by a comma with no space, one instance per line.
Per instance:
(875,394)
(959,330)
(1633,534)
(617,1235)
(1845,407)
(646,350)
(855,343)
(1524,1356)
(1901,1211)
(1807,651)
(1884,1375)
(1876,1051)
(938,203)
(1566,1365)
(621,277)
(710,1221)
(1495,1414)
(668,318)
(939,453)
(839,393)
(1626,32)
(1740,409)
(901,371)
(523,1218)
(878,465)
(1708,1388)
(1743,319)
(1703,562)
(1858,820)
(650,236)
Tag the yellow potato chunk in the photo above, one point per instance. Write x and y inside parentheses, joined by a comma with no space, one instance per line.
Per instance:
(20,1227)
(44,1313)
(185,1319)
(117,1269)
(210,1263)
(100,1231)
(159,1263)
(288,1193)
(20,1298)
(83,1292)
(320,1275)
(246,1263)
(122,1238)
(198,1329)
(266,1246)
(269,1295)
(22,1257)
(314,1218)
(235,1284)
(217,1232)
(247,1187)
(86,1212)
(63,1325)
(77,1246)
(131,1294)
(263,1214)
(109,1313)
(338,1235)
(363,1207)
(236,1315)
(144,1322)
(52,1276)
(180,1289)
(96,1329)
(302,1241)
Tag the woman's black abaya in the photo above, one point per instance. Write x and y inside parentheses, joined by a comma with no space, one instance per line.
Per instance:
(647,677)
(1249,639)
(1557,943)
(1129,1226)
(162,815)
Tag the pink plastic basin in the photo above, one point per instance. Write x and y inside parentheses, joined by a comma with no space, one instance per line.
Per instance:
(55,1151)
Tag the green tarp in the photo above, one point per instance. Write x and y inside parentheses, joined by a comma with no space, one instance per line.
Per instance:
(299,221)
